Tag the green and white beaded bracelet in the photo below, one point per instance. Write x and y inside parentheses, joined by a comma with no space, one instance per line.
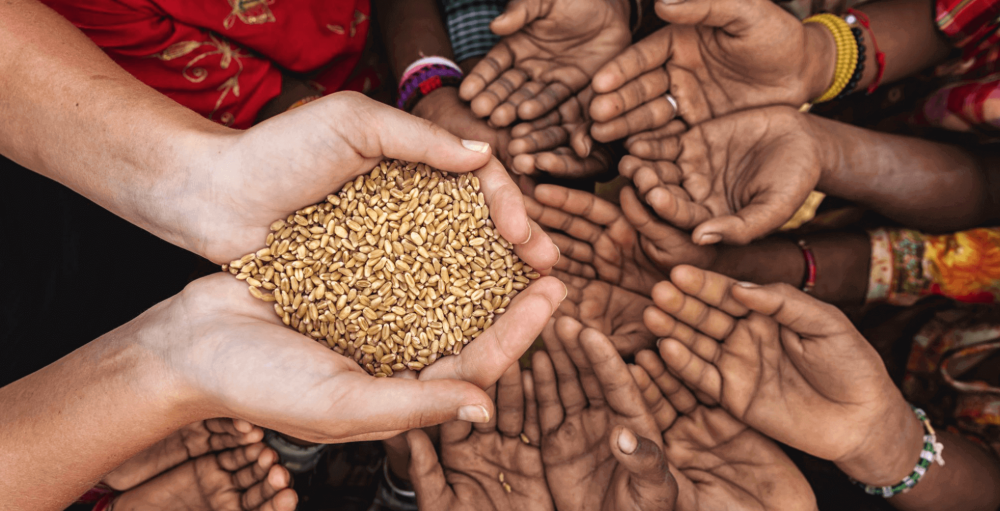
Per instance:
(931,453)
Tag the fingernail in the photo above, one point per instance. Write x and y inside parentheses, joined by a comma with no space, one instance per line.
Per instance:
(565,293)
(658,342)
(475,145)
(748,285)
(558,252)
(627,441)
(473,413)
(529,233)
(670,2)
(709,239)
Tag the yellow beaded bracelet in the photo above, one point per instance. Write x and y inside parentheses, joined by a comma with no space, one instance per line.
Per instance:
(847,53)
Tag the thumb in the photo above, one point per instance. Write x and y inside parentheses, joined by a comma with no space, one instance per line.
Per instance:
(518,14)
(426,473)
(406,137)
(733,16)
(649,480)
(753,221)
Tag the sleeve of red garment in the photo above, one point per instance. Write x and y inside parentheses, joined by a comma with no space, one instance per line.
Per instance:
(967,22)
(199,69)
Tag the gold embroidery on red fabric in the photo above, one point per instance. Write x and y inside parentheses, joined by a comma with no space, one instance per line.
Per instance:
(336,29)
(250,12)
(359,18)
(194,74)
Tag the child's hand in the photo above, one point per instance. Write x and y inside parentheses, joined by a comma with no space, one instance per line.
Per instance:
(788,365)
(597,242)
(611,310)
(661,242)
(719,462)
(600,445)
(485,463)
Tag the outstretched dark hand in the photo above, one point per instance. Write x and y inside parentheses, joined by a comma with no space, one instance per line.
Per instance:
(600,445)
(550,50)
(734,178)
(486,466)
(719,462)
(611,310)
(715,57)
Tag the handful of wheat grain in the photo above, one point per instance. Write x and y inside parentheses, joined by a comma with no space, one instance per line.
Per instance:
(398,269)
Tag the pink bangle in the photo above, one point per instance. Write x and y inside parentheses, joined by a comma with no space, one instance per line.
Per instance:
(810,280)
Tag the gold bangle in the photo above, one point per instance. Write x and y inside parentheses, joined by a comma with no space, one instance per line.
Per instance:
(847,53)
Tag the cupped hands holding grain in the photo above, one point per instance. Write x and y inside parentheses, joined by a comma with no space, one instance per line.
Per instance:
(402,267)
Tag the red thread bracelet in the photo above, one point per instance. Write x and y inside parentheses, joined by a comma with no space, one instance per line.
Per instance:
(879,55)
(807,252)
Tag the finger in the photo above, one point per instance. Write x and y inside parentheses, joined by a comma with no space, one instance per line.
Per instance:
(426,473)
(259,464)
(483,362)
(691,311)
(580,140)
(791,308)
(531,429)
(680,397)
(524,128)
(571,392)
(498,91)
(506,113)
(652,115)
(673,204)
(550,408)
(235,459)
(284,500)
(540,249)
(657,174)
(510,402)
(663,325)
(491,426)
(662,411)
(649,482)
(544,139)
(691,369)
(616,381)
(524,165)
(755,220)
(268,481)
(643,56)
(573,252)
(495,62)
(658,232)
(733,16)
(672,129)
(517,15)
(687,90)
(569,331)
(506,205)
(550,97)
(648,86)
(667,148)
(565,163)
(579,205)
(409,138)
(712,288)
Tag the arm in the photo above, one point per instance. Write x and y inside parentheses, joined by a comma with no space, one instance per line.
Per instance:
(918,183)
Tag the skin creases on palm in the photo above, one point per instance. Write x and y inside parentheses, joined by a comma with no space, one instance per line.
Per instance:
(610,309)
(473,469)
(557,44)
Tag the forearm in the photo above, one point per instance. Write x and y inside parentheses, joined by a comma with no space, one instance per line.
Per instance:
(970,480)
(411,30)
(842,261)
(65,426)
(73,115)
(921,184)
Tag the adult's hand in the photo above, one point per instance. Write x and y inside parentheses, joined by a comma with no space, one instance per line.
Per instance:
(715,57)
(496,465)
(789,366)
(600,445)
(735,178)
(550,50)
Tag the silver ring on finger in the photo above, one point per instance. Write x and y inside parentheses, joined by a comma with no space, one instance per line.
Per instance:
(672,101)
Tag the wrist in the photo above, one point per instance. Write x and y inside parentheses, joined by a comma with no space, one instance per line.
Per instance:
(820,64)
(890,450)
(438,101)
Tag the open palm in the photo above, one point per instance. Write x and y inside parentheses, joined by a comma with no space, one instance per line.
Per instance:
(550,50)
(607,308)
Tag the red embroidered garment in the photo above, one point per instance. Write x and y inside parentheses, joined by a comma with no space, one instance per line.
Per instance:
(224,58)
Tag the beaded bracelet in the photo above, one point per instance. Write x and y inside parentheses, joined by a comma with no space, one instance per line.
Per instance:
(929,454)
(856,16)
(847,53)
(425,76)
(859,68)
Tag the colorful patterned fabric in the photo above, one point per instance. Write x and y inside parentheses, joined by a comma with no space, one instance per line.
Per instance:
(469,26)
(969,99)
(224,58)
(908,265)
